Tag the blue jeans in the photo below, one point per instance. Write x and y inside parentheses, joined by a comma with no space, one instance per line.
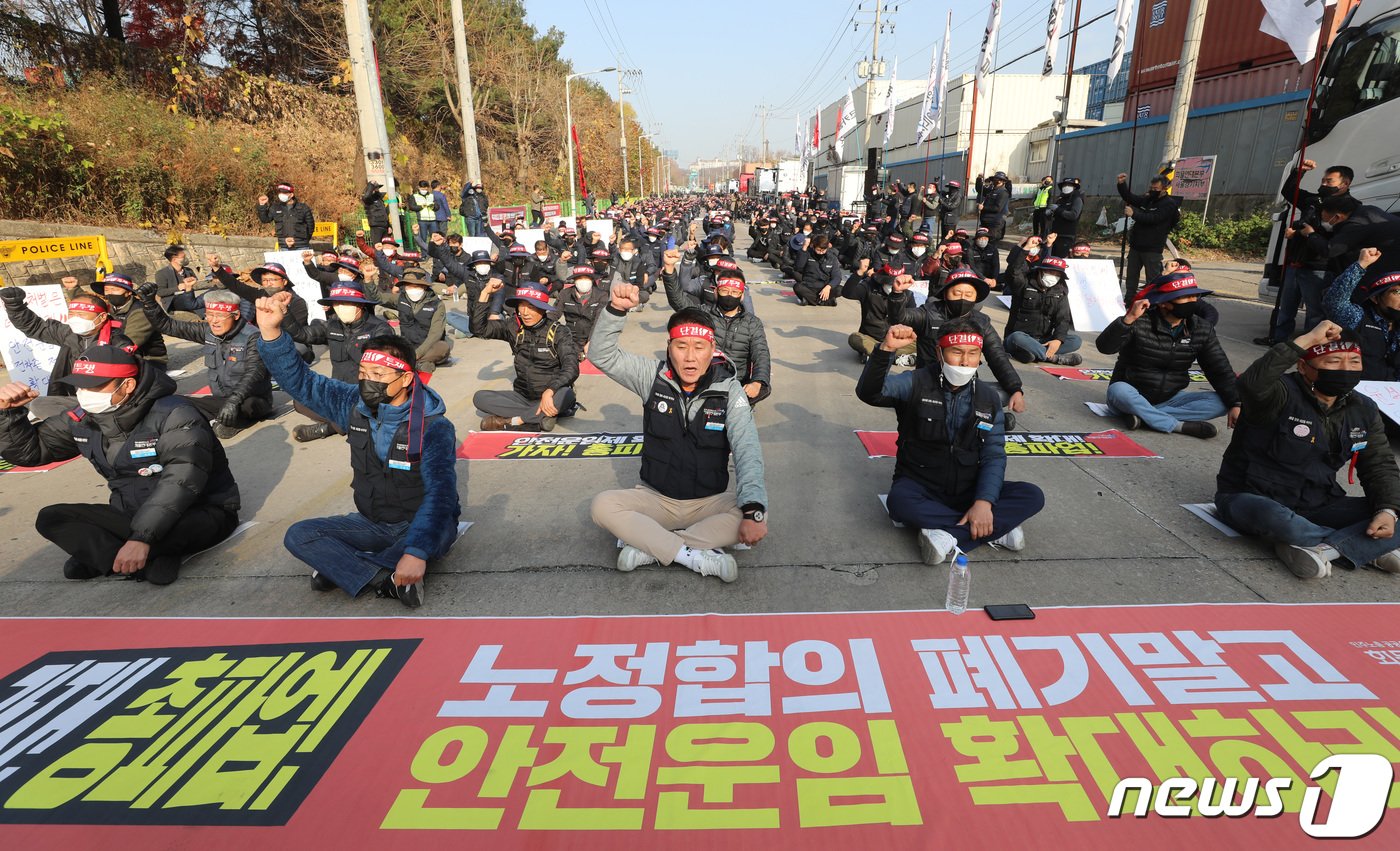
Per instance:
(476,225)
(351,549)
(1020,341)
(1303,286)
(1186,406)
(913,504)
(1340,524)
(425,232)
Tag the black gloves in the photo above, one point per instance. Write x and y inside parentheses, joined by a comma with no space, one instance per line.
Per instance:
(230,414)
(146,293)
(12,296)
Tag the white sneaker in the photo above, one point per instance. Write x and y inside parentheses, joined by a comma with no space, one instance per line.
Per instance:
(1015,540)
(1390,562)
(631,558)
(717,563)
(1307,562)
(936,546)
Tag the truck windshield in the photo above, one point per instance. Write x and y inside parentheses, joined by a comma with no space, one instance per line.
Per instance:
(1362,71)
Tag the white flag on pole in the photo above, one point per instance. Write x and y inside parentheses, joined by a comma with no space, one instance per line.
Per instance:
(989,42)
(889,110)
(804,146)
(1120,37)
(845,122)
(937,83)
(1052,35)
(1297,22)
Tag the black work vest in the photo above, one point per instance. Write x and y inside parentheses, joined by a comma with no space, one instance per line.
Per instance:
(415,319)
(946,464)
(1377,363)
(227,358)
(133,470)
(388,491)
(1292,460)
(1035,310)
(346,346)
(685,459)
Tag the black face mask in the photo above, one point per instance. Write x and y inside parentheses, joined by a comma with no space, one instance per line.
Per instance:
(1186,309)
(1325,191)
(728,302)
(118,300)
(1154,194)
(374,393)
(1389,313)
(957,307)
(1335,382)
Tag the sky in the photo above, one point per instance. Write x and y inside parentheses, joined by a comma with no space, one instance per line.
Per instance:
(708,66)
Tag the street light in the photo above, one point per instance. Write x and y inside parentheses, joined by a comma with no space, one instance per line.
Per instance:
(569,133)
(641,168)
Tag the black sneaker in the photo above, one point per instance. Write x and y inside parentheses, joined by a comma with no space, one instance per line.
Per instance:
(1264,341)
(1131,422)
(1010,421)
(1198,428)
(312,431)
(320,583)
(74,569)
(410,595)
(162,570)
(224,432)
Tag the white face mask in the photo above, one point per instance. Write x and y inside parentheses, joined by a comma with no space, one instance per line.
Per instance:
(918,251)
(82,326)
(94,402)
(625,255)
(713,261)
(958,375)
(414,293)
(651,239)
(346,278)
(584,286)
(981,243)
(482,268)
(283,197)
(1048,280)
(888,288)
(542,257)
(1067,189)
(346,313)
(387,251)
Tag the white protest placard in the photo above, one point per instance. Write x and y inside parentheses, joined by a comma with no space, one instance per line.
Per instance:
(1094,297)
(528,237)
(302,285)
(920,291)
(476,243)
(570,221)
(1386,395)
(602,227)
(30,361)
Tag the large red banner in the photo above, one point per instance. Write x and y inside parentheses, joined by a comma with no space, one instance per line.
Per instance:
(898,729)
(1099,444)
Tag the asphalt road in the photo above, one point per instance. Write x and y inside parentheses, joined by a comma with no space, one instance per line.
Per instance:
(1113,531)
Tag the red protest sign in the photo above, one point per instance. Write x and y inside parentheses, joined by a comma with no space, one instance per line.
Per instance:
(1098,444)
(493,445)
(875,729)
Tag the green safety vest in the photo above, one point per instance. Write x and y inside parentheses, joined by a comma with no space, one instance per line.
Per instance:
(1042,197)
(427,207)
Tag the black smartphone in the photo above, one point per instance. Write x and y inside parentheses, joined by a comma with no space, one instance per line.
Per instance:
(1010,612)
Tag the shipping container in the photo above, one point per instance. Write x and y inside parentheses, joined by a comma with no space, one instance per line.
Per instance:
(1230,43)
(1260,82)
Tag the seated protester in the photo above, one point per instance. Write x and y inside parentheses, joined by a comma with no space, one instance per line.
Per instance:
(631,267)
(778,255)
(270,279)
(546,362)
(653,247)
(699,280)
(403,458)
(469,271)
(1376,320)
(758,233)
(962,290)
(1081,250)
(947,259)
(984,258)
(126,316)
(579,302)
(881,295)
(1039,326)
(543,266)
(1204,309)
(1175,264)
(738,332)
(441,273)
(818,274)
(695,414)
(240,391)
(86,326)
(1149,381)
(919,256)
(1021,263)
(950,468)
(1296,430)
(349,325)
(172,493)
(892,252)
(422,318)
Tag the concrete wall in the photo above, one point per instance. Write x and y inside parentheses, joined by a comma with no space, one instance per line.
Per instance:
(137,253)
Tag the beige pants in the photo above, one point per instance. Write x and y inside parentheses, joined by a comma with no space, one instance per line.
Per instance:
(865,344)
(659,526)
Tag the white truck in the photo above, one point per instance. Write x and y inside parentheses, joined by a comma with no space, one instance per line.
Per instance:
(790,176)
(1353,121)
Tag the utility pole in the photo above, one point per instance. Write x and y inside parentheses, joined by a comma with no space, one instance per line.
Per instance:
(763,112)
(1063,124)
(871,69)
(622,127)
(464,93)
(1185,80)
(374,138)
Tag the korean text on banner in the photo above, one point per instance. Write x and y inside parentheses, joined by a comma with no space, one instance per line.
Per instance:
(302,284)
(30,361)
(1193,178)
(1386,395)
(1094,297)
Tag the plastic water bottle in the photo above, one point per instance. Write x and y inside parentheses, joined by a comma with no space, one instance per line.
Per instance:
(959,585)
